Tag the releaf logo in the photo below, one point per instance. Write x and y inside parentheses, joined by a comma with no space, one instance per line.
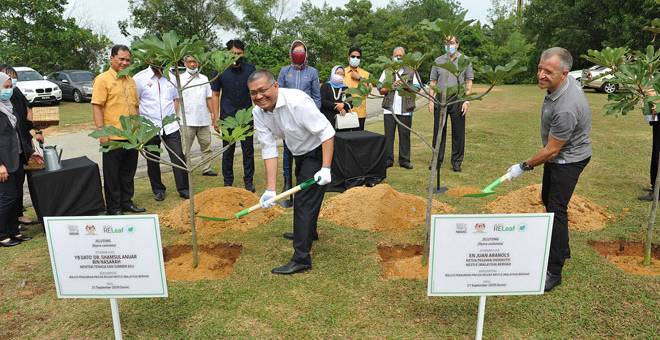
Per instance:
(112,230)
(502,227)
(461,228)
(480,228)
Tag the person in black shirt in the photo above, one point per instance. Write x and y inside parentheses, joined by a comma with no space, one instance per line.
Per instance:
(334,99)
(235,96)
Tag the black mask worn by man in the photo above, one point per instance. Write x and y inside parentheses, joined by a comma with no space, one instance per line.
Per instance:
(239,61)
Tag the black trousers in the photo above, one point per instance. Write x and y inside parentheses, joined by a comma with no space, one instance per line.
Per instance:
(457,133)
(404,138)
(118,171)
(9,203)
(306,206)
(287,163)
(654,151)
(559,181)
(173,141)
(247,146)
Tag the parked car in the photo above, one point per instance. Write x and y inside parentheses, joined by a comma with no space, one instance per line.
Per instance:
(601,83)
(76,85)
(35,88)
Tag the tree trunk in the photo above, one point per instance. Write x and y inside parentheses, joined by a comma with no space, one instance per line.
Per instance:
(649,228)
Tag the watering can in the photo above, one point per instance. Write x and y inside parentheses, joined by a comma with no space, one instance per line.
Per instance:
(52,158)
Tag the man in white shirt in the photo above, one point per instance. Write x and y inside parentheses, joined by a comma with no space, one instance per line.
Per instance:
(292,115)
(198,102)
(158,99)
(401,106)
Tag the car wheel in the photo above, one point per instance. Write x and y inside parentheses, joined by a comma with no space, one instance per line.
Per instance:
(77,96)
(609,88)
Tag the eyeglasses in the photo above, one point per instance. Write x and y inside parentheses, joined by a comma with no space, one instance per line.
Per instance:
(356,57)
(260,91)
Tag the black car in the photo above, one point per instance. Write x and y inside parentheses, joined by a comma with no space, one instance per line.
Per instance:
(76,85)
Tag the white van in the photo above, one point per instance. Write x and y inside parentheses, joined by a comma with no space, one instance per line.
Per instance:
(35,88)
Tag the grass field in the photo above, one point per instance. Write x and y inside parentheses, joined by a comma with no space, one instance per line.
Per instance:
(345,295)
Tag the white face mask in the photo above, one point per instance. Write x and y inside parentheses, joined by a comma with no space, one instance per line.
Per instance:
(337,79)
(354,62)
(192,71)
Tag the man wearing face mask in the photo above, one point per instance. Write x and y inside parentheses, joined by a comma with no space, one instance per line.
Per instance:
(198,103)
(159,99)
(457,111)
(401,106)
(354,73)
(232,84)
(299,75)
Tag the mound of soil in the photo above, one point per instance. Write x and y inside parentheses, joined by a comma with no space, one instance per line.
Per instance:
(583,214)
(221,202)
(216,261)
(403,262)
(628,256)
(378,208)
(461,191)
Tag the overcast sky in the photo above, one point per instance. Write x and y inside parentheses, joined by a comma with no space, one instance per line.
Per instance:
(102,15)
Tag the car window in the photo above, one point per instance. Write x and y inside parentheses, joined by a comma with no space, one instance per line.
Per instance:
(61,76)
(81,76)
(28,75)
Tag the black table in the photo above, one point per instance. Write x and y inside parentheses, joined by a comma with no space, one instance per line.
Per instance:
(359,159)
(74,190)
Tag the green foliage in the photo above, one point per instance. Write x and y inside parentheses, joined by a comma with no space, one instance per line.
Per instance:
(135,131)
(35,33)
(449,27)
(237,128)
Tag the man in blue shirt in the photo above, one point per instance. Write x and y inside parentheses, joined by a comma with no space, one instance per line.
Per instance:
(235,96)
(299,75)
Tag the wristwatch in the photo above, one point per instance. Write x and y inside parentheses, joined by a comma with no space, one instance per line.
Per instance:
(525,166)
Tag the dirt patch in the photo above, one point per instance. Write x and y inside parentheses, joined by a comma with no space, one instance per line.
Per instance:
(221,202)
(403,261)
(583,214)
(628,256)
(379,208)
(462,191)
(59,130)
(216,261)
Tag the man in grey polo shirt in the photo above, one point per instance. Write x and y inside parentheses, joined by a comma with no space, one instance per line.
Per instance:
(565,133)
(442,78)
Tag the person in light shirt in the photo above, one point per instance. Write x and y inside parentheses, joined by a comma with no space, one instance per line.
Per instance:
(158,99)
(198,104)
(292,115)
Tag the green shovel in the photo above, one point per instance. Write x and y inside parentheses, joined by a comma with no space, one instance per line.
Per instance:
(489,189)
(302,186)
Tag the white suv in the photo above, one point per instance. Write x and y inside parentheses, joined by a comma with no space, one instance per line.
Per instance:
(35,88)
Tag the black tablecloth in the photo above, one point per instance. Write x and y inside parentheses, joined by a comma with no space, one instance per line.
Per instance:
(73,190)
(359,159)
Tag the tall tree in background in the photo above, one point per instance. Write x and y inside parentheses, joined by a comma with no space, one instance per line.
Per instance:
(35,33)
(201,18)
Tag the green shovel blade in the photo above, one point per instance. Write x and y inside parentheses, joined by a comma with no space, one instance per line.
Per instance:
(488,190)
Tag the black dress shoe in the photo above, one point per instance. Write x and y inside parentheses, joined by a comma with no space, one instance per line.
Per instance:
(184,194)
(407,166)
(456,168)
(209,173)
(287,203)
(389,165)
(291,268)
(159,196)
(133,208)
(552,281)
(250,187)
(646,197)
(9,242)
(289,236)
(115,212)
(21,238)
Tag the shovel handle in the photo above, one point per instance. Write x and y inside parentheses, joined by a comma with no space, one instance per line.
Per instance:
(302,186)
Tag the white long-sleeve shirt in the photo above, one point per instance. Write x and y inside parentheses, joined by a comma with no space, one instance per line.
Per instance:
(194,98)
(156,97)
(294,118)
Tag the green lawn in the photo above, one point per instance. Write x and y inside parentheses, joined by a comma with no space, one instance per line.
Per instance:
(345,294)
(75,113)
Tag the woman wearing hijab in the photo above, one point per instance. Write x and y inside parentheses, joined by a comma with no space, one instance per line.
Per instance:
(334,99)
(13,149)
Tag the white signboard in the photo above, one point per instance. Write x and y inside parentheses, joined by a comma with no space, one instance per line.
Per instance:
(106,256)
(489,254)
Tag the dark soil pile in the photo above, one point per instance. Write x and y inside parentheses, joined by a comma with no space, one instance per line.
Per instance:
(583,214)
(216,261)
(628,256)
(221,202)
(379,208)
(403,262)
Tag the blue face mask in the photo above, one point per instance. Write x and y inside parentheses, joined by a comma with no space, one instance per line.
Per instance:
(5,94)
(13,82)
(451,49)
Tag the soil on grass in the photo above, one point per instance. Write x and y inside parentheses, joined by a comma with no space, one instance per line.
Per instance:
(221,202)
(216,261)
(462,191)
(403,261)
(628,256)
(379,208)
(583,214)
